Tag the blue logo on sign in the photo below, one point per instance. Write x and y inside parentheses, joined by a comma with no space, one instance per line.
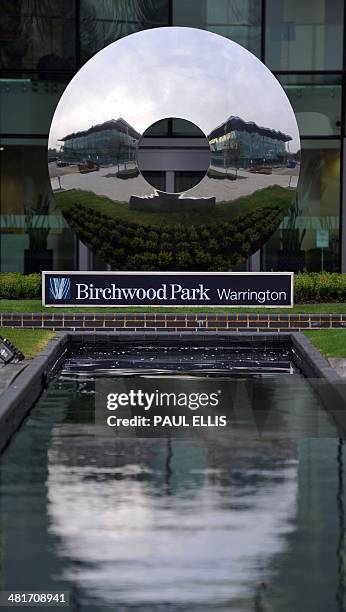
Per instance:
(60,288)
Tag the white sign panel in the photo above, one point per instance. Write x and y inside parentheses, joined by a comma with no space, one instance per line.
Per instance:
(322,239)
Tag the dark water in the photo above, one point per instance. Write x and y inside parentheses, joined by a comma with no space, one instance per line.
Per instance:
(232,519)
(195,358)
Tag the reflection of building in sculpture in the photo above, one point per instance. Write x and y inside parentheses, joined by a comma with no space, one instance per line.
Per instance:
(113,141)
(244,144)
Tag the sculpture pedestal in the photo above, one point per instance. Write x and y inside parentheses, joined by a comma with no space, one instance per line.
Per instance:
(171,202)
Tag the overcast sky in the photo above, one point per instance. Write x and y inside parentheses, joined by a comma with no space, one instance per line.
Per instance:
(173,72)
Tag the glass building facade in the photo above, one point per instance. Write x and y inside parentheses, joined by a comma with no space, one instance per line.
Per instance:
(247,144)
(112,141)
(43,43)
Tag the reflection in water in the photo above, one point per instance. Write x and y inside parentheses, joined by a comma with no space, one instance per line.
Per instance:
(202,523)
(196,358)
(228,520)
(340,594)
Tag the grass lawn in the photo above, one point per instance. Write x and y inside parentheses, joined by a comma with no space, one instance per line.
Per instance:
(29,341)
(36,306)
(330,342)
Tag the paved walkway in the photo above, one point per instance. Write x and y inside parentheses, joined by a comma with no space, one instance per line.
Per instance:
(105,183)
(339,364)
(9,372)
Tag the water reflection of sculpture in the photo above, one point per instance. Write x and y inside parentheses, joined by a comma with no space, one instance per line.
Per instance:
(132,514)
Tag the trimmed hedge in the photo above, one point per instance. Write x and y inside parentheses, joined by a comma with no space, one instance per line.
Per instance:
(214,241)
(16,286)
(315,287)
(320,287)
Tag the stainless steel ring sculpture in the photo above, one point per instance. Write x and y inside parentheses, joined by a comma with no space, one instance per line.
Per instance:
(175,148)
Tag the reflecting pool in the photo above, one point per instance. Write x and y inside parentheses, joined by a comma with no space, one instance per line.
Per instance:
(237,518)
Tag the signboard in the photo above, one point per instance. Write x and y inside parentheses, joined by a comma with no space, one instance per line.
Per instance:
(237,289)
(322,239)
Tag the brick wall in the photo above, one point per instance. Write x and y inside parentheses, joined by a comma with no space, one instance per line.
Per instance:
(172,321)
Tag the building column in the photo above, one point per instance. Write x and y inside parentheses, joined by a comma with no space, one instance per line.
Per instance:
(254,262)
(343,212)
(84,256)
(170,180)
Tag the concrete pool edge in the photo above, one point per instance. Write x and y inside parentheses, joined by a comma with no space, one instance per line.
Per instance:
(325,380)
(18,398)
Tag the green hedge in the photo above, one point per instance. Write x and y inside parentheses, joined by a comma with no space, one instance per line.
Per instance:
(16,286)
(320,287)
(217,241)
(315,287)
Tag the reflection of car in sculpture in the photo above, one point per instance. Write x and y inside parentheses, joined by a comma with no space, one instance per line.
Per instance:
(291,163)
(261,169)
(127,173)
(88,166)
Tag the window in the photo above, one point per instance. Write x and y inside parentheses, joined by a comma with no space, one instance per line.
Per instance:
(34,234)
(104,21)
(295,246)
(37,35)
(27,106)
(304,35)
(239,20)
(316,101)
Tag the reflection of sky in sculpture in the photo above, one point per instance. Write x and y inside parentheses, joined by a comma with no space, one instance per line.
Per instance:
(179,72)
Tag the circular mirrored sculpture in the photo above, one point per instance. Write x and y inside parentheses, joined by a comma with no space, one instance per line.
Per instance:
(175,149)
